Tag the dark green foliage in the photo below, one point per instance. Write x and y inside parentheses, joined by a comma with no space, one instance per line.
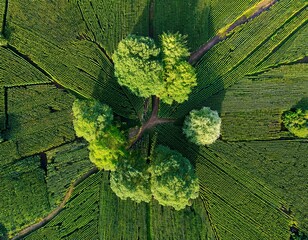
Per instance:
(132,179)
(23,194)
(173,181)
(296,121)
(187,17)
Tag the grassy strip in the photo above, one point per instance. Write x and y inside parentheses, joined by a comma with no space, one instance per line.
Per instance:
(2,109)
(40,234)
(222,13)
(120,219)
(65,53)
(23,194)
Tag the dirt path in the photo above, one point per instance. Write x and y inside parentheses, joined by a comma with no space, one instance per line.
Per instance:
(55,212)
(151,122)
(222,33)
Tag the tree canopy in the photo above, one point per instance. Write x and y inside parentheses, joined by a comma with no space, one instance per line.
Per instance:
(93,121)
(296,121)
(173,180)
(90,118)
(150,70)
(132,179)
(202,126)
(137,65)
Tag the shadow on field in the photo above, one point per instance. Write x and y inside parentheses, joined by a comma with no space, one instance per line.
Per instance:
(13,127)
(3,232)
(303,103)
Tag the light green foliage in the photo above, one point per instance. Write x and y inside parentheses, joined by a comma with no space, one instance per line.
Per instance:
(93,121)
(3,41)
(173,181)
(179,80)
(202,126)
(140,67)
(179,75)
(174,48)
(296,121)
(107,148)
(132,179)
(90,118)
(137,66)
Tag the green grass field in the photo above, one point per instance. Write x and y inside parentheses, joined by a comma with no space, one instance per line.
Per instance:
(253,180)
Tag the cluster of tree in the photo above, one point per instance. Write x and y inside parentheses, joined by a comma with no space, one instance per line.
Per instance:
(94,122)
(161,72)
(147,69)
(169,178)
(296,121)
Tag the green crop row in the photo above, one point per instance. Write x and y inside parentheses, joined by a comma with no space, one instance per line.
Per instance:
(8,153)
(282,165)
(23,194)
(65,164)
(69,57)
(2,109)
(240,54)
(79,219)
(241,206)
(2,12)
(108,22)
(257,102)
(223,13)
(39,117)
(16,71)
(187,17)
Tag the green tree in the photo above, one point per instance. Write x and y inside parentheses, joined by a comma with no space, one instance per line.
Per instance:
(90,118)
(296,121)
(107,149)
(132,179)
(179,76)
(94,122)
(202,126)
(173,180)
(137,65)
(148,70)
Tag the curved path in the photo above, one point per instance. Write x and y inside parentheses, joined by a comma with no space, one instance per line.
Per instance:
(55,212)
(249,14)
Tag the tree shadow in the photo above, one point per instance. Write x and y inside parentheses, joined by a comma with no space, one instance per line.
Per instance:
(303,104)
(3,232)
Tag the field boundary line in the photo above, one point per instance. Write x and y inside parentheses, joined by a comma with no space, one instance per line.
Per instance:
(55,212)
(222,34)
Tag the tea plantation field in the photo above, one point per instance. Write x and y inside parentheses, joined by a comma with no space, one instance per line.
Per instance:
(253,180)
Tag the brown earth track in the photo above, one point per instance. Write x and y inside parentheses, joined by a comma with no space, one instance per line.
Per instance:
(55,212)
(258,9)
